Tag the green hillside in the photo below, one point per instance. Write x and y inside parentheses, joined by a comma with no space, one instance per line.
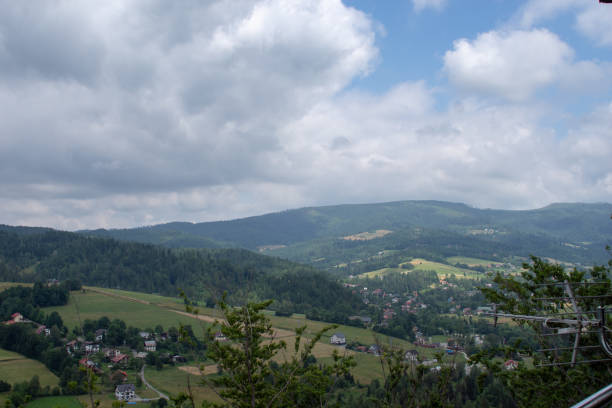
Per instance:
(203,274)
(573,232)
(15,368)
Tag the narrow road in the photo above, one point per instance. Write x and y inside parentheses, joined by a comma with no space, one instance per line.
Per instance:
(144,381)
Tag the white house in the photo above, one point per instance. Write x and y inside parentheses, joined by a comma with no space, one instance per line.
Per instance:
(100,333)
(412,355)
(220,336)
(150,345)
(338,338)
(125,392)
(91,347)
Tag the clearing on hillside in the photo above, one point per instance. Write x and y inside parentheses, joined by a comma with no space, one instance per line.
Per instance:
(16,368)
(366,236)
(472,262)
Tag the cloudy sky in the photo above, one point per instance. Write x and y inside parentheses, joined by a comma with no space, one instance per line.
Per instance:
(126,113)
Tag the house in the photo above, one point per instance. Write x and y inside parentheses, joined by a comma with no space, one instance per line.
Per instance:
(338,339)
(15,318)
(53,282)
(140,354)
(42,329)
(511,365)
(366,320)
(220,336)
(100,334)
(110,353)
(178,359)
(125,392)
(145,335)
(72,346)
(150,345)
(86,362)
(388,314)
(91,347)
(374,349)
(484,309)
(120,359)
(411,355)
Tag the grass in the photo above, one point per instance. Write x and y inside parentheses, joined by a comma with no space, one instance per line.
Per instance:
(143,310)
(172,381)
(470,261)
(94,304)
(9,355)
(381,272)
(6,285)
(15,368)
(53,402)
(420,264)
(443,269)
(146,297)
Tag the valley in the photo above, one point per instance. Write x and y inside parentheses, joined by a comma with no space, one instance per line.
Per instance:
(384,285)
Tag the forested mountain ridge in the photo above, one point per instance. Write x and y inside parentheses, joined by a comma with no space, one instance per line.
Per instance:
(203,274)
(576,231)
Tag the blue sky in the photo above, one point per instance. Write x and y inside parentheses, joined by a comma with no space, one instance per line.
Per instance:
(128,113)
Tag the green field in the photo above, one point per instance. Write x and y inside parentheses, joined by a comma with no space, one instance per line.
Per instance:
(419,264)
(15,368)
(5,285)
(53,402)
(147,311)
(470,261)
(92,304)
(173,380)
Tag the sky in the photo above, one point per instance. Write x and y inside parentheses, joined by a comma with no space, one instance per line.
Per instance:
(126,113)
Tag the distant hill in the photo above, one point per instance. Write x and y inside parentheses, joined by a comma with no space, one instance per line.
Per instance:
(575,232)
(28,255)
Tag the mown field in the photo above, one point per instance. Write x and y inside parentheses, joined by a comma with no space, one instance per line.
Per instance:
(453,260)
(15,368)
(53,402)
(419,264)
(133,308)
(443,270)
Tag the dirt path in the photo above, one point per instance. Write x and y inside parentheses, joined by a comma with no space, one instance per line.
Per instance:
(131,299)
(209,369)
(145,382)
(278,333)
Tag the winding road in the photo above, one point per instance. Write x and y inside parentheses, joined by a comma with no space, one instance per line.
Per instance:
(144,381)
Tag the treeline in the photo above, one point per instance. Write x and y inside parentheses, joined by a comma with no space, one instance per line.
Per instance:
(436,245)
(28,301)
(202,274)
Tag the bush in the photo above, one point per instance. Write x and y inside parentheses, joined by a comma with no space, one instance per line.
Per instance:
(4,386)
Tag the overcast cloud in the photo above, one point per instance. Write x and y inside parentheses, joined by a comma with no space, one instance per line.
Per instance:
(122,113)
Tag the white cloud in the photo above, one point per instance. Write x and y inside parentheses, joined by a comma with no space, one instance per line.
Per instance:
(516,64)
(592,18)
(238,107)
(152,98)
(596,23)
(423,4)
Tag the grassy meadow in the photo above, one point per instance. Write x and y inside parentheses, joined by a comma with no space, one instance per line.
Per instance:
(419,264)
(471,261)
(92,303)
(53,402)
(15,368)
